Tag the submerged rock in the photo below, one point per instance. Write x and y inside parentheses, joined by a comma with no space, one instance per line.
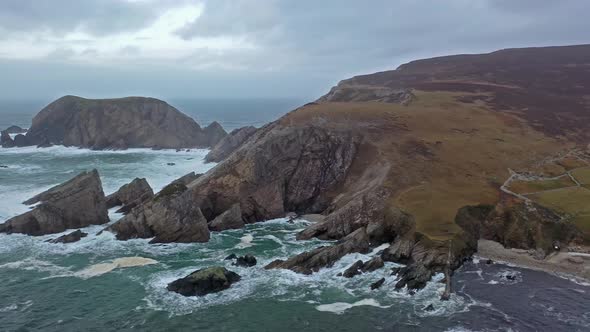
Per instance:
(377,284)
(311,261)
(77,203)
(130,195)
(231,257)
(204,281)
(74,236)
(362,267)
(246,261)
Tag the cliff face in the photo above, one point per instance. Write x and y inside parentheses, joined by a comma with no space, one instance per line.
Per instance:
(392,157)
(133,122)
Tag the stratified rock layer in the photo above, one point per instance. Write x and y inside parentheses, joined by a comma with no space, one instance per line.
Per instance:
(77,203)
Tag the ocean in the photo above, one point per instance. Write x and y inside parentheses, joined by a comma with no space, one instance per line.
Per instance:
(84,286)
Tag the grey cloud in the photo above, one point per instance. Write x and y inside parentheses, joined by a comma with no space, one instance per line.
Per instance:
(97,17)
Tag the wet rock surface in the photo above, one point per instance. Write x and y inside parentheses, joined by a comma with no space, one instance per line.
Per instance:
(204,281)
(74,236)
(130,195)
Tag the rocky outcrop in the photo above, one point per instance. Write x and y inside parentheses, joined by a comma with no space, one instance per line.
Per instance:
(519,224)
(168,217)
(15,130)
(132,122)
(74,236)
(312,261)
(359,267)
(246,261)
(229,144)
(188,178)
(346,92)
(5,140)
(214,133)
(204,281)
(77,203)
(130,195)
(230,219)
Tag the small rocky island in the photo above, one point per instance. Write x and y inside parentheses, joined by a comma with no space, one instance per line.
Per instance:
(132,122)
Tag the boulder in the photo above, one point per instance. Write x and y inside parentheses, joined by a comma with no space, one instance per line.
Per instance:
(74,236)
(229,144)
(246,261)
(77,203)
(204,281)
(377,284)
(21,140)
(230,219)
(130,195)
(362,267)
(168,217)
(132,122)
(5,140)
(312,261)
(353,270)
(231,257)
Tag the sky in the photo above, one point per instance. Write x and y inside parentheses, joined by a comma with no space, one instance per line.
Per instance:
(253,48)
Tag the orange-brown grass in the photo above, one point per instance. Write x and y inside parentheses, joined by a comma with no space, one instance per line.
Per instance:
(443,154)
(571,162)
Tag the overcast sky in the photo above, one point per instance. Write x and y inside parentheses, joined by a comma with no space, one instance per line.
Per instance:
(253,48)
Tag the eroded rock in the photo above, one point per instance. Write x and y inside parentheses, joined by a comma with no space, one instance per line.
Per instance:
(130,195)
(204,281)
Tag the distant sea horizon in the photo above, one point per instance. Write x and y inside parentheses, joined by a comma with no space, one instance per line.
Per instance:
(230,113)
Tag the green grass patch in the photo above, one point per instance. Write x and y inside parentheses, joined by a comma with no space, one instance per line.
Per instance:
(582,175)
(523,187)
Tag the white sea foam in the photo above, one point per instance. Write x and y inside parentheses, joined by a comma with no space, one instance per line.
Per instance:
(124,262)
(245,241)
(340,307)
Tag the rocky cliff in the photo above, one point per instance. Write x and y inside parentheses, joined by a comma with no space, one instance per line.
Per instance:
(132,122)
(394,157)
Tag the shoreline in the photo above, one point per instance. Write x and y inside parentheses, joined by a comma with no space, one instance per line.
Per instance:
(564,264)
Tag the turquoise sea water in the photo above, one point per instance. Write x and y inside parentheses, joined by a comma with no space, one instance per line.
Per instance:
(77,287)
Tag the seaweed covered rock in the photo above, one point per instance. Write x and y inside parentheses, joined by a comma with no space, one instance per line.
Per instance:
(204,281)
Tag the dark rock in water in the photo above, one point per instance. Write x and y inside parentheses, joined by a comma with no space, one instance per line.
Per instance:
(246,261)
(359,267)
(510,277)
(15,130)
(21,140)
(395,270)
(170,216)
(230,257)
(3,166)
(489,262)
(373,264)
(170,164)
(77,203)
(5,140)
(130,195)
(377,284)
(353,270)
(204,281)
(311,261)
(133,122)
(230,219)
(229,144)
(74,236)
(429,307)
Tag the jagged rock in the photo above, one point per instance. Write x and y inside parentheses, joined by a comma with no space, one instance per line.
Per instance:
(204,281)
(400,251)
(130,195)
(230,219)
(373,264)
(21,140)
(231,257)
(229,144)
(74,236)
(489,262)
(395,270)
(15,130)
(311,261)
(353,270)
(429,307)
(414,276)
(377,284)
(5,140)
(133,122)
(168,217)
(246,261)
(214,133)
(346,92)
(77,203)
